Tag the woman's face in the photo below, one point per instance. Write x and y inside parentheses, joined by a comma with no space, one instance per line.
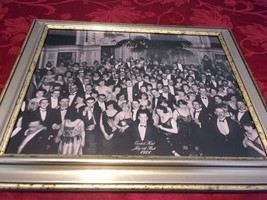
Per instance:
(218,100)
(143,96)
(59,78)
(143,89)
(160,112)
(125,107)
(39,94)
(68,74)
(110,107)
(181,105)
(102,83)
(122,97)
(185,87)
(248,129)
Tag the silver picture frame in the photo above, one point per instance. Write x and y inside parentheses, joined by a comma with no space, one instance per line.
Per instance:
(126,172)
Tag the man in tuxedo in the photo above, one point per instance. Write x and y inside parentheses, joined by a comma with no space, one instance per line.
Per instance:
(140,82)
(88,91)
(101,102)
(226,136)
(54,99)
(91,117)
(130,92)
(73,94)
(243,115)
(201,126)
(206,101)
(180,66)
(171,86)
(168,96)
(33,140)
(164,79)
(43,114)
(145,140)
(213,82)
(48,67)
(86,81)
(156,100)
(135,110)
(61,112)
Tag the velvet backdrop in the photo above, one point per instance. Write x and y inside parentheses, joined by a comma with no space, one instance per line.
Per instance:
(246,18)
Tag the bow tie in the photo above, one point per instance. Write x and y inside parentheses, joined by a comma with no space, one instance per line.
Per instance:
(221,120)
(143,126)
(204,97)
(63,109)
(43,110)
(197,111)
(241,111)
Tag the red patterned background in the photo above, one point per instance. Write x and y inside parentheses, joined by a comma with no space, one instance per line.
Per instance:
(246,18)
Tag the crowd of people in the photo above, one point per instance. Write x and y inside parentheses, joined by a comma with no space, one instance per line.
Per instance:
(135,107)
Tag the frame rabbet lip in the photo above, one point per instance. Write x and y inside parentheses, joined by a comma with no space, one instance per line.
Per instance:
(55,41)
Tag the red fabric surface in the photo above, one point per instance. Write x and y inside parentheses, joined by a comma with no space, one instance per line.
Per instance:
(246,18)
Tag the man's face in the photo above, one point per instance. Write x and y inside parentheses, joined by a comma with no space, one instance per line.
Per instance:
(64,103)
(170,82)
(165,89)
(44,104)
(241,105)
(90,103)
(33,127)
(218,100)
(129,83)
(155,93)
(86,81)
(73,89)
(70,80)
(135,104)
(56,94)
(88,88)
(39,94)
(139,78)
(102,98)
(143,118)
(196,105)
(159,85)
(203,91)
(220,113)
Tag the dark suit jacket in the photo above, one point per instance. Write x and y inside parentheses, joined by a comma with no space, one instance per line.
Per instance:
(37,145)
(57,114)
(154,101)
(136,88)
(49,119)
(135,93)
(50,100)
(170,100)
(153,143)
(15,141)
(204,119)
(211,105)
(229,145)
(96,113)
(245,118)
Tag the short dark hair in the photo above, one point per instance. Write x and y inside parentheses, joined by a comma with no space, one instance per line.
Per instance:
(164,109)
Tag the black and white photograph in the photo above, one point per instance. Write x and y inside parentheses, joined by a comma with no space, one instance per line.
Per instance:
(134,94)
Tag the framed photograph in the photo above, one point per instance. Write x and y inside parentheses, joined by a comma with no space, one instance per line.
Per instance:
(92,106)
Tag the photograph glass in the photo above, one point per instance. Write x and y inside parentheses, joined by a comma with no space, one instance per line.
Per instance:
(134,94)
